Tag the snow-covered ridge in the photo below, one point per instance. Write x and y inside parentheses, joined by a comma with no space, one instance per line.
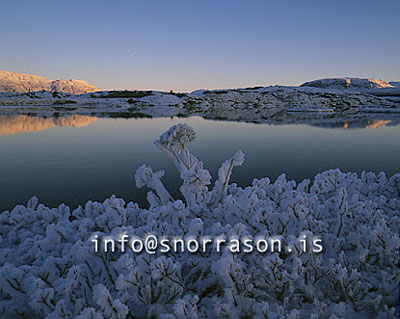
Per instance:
(355,84)
(262,104)
(22,83)
(49,267)
(395,84)
(274,104)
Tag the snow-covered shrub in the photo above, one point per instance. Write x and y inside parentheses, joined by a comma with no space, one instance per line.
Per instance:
(50,268)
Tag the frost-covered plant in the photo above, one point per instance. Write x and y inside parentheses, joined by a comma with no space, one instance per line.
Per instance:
(50,269)
(145,177)
(195,177)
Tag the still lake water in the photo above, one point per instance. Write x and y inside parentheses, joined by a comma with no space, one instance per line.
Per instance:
(76,159)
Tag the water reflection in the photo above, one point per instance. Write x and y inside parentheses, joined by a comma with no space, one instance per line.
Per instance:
(71,165)
(364,123)
(13,124)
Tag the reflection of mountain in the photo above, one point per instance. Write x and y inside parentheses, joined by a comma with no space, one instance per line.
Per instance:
(358,123)
(378,123)
(369,124)
(13,124)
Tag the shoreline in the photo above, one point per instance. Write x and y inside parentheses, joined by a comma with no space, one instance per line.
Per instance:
(273,105)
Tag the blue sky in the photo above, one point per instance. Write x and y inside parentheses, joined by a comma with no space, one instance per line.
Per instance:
(186,45)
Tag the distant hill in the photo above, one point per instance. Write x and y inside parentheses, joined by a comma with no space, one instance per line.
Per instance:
(22,83)
(356,84)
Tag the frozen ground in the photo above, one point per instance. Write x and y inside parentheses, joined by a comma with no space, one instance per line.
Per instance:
(49,267)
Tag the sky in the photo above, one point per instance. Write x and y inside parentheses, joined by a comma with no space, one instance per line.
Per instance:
(200,44)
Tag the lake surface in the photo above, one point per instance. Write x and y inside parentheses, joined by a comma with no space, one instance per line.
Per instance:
(79,158)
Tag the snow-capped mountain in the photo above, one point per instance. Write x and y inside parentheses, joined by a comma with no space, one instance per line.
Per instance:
(22,83)
(355,84)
